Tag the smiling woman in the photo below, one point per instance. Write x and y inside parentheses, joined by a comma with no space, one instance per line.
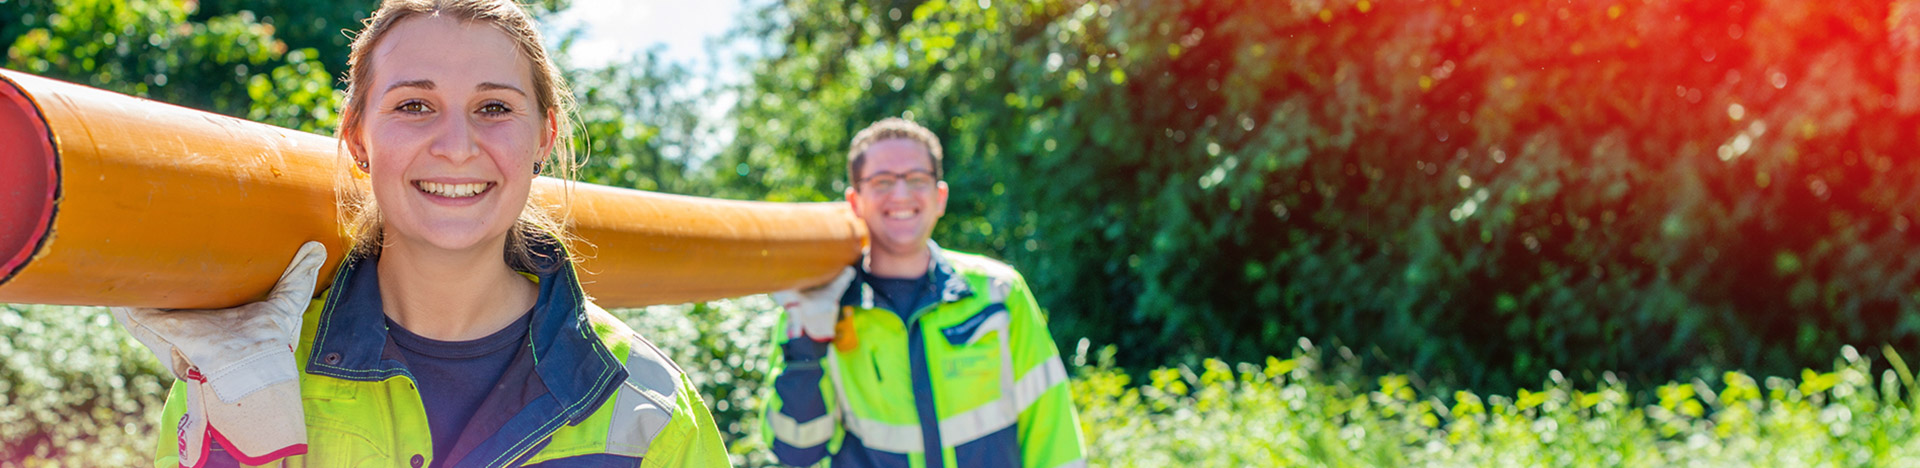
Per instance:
(521,108)
(457,322)
(442,124)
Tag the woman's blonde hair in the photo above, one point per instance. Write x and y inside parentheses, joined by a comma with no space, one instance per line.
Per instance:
(537,223)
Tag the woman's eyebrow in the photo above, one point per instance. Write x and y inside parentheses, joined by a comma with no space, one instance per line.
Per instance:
(490,86)
(422,84)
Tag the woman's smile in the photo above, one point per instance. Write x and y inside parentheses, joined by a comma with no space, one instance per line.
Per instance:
(454,192)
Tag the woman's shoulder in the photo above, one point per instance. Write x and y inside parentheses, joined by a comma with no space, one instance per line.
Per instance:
(658,402)
(647,366)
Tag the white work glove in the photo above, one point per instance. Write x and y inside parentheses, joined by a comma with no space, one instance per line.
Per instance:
(814,311)
(243,388)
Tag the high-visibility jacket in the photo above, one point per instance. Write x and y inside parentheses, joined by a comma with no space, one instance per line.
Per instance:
(973,380)
(592,392)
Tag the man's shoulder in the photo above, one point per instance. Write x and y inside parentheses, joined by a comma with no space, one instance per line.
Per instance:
(980,265)
(998,279)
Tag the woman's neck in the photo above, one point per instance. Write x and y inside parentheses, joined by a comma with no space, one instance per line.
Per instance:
(451,295)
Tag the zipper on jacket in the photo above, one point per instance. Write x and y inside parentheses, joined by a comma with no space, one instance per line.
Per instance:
(921,369)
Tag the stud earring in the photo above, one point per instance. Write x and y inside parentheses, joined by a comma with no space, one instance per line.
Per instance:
(362,163)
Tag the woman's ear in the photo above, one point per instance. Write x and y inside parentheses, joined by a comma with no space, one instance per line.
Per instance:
(355,147)
(553,132)
(547,140)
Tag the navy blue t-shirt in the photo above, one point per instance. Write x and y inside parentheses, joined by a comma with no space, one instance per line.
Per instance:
(455,376)
(901,295)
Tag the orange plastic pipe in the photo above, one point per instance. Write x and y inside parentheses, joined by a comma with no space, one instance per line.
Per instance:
(113,200)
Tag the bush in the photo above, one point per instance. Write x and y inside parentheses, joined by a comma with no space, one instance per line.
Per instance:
(1310,410)
(1478,191)
(75,389)
(78,391)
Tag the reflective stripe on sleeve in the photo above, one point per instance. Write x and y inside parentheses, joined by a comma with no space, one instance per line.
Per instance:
(644,403)
(807,435)
(1037,381)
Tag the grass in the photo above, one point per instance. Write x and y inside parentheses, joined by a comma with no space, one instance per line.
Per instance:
(1298,412)
(75,390)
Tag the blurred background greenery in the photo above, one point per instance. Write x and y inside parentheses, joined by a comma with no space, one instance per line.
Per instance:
(1470,195)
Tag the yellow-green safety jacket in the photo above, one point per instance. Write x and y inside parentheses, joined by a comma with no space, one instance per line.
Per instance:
(592,391)
(974,379)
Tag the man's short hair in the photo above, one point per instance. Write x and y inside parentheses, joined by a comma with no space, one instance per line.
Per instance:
(887,129)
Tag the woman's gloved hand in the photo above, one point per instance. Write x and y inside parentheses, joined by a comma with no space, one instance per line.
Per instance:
(243,388)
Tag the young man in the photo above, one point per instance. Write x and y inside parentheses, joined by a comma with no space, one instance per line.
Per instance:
(917,356)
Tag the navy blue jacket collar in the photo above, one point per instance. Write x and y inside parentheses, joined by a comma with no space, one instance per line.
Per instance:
(579,371)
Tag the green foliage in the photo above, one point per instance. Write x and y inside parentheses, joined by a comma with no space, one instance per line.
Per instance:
(75,389)
(321,26)
(640,124)
(231,63)
(1313,410)
(80,391)
(1473,192)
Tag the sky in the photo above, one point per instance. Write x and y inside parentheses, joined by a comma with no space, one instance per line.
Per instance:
(616,29)
(613,30)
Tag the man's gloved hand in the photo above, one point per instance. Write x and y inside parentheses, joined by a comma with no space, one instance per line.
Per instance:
(814,311)
(243,387)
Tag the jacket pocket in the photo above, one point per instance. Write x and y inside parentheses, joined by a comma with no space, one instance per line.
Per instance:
(332,442)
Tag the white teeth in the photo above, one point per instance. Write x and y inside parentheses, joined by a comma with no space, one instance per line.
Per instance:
(900,214)
(453,190)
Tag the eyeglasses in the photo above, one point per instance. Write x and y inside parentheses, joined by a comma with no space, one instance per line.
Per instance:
(916,181)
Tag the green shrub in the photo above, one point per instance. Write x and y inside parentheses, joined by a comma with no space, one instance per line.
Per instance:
(1308,411)
(1479,191)
(76,390)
